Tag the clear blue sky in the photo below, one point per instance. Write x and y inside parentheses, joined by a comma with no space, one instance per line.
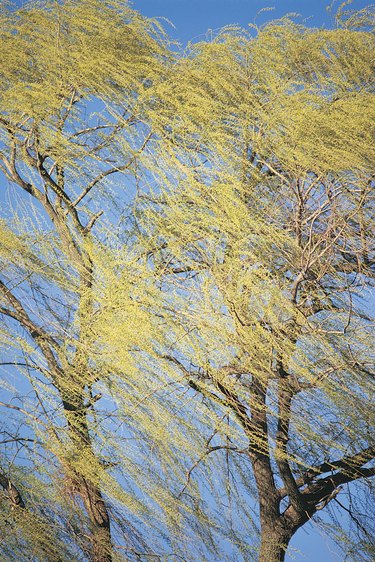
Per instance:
(192,18)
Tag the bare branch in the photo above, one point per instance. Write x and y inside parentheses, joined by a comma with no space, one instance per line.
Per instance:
(109,172)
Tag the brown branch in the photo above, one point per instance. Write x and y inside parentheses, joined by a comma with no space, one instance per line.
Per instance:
(347,463)
(90,130)
(45,341)
(201,458)
(231,399)
(14,495)
(16,440)
(350,463)
(324,489)
(12,174)
(63,196)
(98,179)
(285,396)
(55,216)
(320,492)
(354,518)
(207,452)
(256,430)
(56,188)
(109,172)
(92,221)
(19,314)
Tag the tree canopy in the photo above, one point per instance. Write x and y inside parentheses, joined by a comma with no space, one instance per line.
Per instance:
(186,251)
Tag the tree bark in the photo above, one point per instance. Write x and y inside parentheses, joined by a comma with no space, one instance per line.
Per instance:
(98,513)
(275,537)
(88,488)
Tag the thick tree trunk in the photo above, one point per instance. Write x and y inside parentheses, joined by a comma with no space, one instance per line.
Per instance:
(276,529)
(88,487)
(100,526)
(275,538)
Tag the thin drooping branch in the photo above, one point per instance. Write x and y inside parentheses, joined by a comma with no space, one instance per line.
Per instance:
(44,341)
(109,172)
(18,313)
(40,530)
(71,390)
(255,427)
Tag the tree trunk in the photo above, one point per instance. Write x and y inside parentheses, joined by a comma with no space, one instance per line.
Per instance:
(100,531)
(275,537)
(88,487)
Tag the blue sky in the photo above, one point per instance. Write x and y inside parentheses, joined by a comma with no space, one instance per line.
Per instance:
(192,18)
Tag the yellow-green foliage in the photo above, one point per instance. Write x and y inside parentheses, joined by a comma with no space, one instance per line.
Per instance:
(302,95)
(190,222)
(95,48)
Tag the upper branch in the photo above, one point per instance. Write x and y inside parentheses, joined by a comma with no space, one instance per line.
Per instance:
(109,172)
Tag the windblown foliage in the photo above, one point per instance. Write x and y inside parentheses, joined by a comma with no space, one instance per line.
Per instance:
(184,288)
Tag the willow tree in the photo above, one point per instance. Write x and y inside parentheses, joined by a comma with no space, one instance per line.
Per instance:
(261,230)
(73,79)
(184,245)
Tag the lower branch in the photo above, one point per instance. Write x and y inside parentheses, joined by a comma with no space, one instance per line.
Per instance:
(14,495)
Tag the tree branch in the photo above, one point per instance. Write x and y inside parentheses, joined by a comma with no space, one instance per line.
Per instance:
(14,495)
(352,462)
(109,172)
(285,396)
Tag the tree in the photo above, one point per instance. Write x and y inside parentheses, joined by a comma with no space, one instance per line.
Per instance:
(216,318)
(269,211)
(71,95)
